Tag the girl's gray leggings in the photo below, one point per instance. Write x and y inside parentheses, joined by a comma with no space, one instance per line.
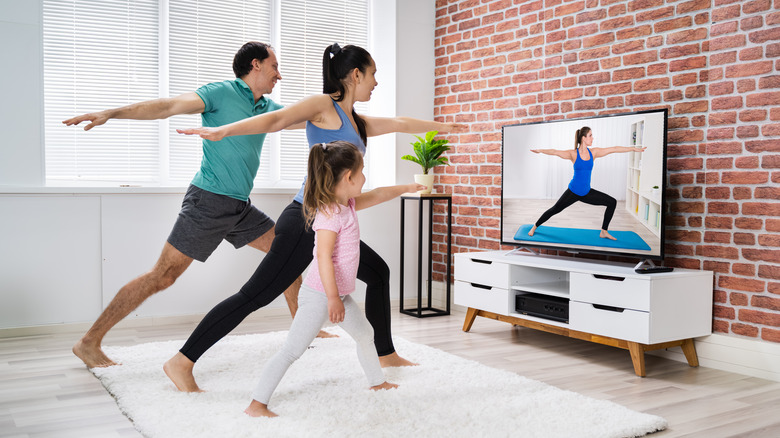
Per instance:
(311,316)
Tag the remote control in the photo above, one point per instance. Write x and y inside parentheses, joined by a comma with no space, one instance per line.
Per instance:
(653,269)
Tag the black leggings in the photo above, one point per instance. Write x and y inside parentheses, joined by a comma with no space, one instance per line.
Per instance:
(290,254)
(593,197)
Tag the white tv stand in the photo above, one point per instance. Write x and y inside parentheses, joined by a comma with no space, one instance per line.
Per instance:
(608,302)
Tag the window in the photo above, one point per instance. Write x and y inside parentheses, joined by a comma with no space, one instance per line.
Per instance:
(101,54)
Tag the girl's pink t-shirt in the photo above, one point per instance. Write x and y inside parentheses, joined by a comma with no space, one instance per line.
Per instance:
(346,255)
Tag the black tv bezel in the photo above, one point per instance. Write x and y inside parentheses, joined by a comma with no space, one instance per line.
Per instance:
(576,249)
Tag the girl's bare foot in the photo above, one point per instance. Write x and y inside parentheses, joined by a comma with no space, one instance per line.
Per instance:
(324,334)
(605,235)
(257,409)
(179,370)
(394,360)
(386,385)
(91,355)
(533,230)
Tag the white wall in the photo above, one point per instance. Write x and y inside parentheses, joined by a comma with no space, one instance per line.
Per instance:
(21,146)
(65,252)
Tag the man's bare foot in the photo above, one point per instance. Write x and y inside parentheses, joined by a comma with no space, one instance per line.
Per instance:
(257,409)
(386,385)
(324,334)
(533,230)
(605,235)
(91,355)
(394,360)
(179,370)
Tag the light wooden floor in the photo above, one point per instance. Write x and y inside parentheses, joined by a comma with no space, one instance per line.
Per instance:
(46,392)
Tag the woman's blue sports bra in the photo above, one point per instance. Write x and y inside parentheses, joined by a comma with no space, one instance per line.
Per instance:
(346,132)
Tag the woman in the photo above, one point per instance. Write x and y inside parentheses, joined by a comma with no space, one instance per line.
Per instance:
(579,188)
(348,77)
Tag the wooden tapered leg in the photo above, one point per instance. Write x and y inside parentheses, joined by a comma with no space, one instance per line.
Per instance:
(471,315)
(638,358)
(689,350)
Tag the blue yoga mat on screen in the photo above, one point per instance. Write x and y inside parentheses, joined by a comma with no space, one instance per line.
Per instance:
(580,236)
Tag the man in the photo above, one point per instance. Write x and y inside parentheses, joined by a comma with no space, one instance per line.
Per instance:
(217,204)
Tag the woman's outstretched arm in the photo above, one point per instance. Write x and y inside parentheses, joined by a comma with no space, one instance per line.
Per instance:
(309,108)
(568,154)
(386,125)
(601,152)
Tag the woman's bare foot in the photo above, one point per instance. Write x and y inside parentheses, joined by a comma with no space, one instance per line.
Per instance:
(394,360)
(533,230)
(179,370)
(91,355)
(605,235)
(386,385)
(257,409)
(324,334)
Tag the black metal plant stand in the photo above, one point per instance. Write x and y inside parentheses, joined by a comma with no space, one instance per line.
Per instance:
(429,309)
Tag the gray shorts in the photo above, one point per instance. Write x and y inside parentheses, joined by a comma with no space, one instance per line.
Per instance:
(206,218)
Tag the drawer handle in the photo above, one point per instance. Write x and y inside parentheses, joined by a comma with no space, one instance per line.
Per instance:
(486,262)
(608,277)
(481,286)
(608,308)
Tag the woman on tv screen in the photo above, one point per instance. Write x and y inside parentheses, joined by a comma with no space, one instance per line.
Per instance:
(579,189)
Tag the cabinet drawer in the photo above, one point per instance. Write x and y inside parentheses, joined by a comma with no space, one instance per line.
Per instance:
(629,293)
(482,297)
(488,273)
(626,324)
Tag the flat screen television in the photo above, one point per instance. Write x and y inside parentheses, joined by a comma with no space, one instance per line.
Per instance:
(537,185)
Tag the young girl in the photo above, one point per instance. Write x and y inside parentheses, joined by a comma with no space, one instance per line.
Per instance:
(579,188)
(331,198)
(348,77)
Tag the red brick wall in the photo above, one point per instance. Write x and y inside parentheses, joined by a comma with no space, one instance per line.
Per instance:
(713,63)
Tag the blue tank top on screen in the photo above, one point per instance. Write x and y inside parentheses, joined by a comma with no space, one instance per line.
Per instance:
(346,132)
(580,182)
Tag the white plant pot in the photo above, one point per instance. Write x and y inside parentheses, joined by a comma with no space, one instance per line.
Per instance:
(424,180)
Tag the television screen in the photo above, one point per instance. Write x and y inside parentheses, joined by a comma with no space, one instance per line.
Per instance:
(612,204)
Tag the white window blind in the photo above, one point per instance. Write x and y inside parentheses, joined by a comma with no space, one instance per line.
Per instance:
(324,22)
(101,54)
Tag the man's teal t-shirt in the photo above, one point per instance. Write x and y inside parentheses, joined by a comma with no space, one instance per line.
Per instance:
(229,166)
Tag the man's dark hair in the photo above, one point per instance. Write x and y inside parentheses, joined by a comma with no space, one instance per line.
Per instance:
(242,62)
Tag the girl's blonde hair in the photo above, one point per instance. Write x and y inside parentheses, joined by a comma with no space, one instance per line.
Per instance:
(327,164)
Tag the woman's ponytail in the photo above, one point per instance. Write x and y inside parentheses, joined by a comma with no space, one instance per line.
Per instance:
(577,139)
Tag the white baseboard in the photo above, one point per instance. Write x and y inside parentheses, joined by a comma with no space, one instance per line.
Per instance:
(734,354)
(156,321)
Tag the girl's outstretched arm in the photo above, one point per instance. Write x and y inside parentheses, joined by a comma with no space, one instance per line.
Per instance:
(291,116)
(326,243)
(601,152)
(385,125)
(383,194)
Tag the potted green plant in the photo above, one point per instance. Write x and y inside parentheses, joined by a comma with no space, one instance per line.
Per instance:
(427,153)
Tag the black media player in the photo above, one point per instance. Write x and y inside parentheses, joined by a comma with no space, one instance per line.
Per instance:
(542,306)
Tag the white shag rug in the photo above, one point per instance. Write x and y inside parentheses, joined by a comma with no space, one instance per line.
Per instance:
(325,394)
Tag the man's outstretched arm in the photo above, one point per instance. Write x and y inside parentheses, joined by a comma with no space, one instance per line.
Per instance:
(187,103)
